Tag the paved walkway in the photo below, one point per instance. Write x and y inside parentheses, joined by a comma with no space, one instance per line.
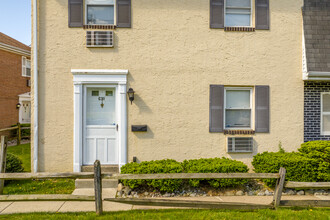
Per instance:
(62,207)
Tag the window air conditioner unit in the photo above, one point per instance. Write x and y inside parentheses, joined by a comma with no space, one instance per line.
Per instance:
(99,38)
(28,83)
(240,145)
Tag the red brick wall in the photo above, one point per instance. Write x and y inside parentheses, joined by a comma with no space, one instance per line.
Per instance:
(12,84)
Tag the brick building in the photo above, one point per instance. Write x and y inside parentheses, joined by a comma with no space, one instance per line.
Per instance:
(15,82)
(316,69)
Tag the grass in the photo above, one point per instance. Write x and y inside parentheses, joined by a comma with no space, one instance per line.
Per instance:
(23,152)
(287,214)
(52,186)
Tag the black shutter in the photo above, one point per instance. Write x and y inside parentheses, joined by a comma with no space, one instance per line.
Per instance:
(216,108)
(124,13)
(217,14)
(262,109)
(76,8)
(262,14)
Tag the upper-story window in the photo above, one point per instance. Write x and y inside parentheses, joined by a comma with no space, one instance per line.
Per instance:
(238,13)
(100,11)
(26,67)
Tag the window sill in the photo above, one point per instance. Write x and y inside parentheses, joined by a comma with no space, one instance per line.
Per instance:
(100,26)
(239,132)
(240,29)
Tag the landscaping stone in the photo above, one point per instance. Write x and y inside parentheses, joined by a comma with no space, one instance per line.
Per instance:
(290,192)
(268,193)
(301,193)
(146,193)
(319,192)
(120,187)
(136,196)
(126,190)
(239,193)
(261,193)
(309,192)
(193,194)
(167,195)
(229,193)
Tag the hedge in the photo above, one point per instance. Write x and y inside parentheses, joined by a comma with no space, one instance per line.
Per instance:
(148,167)
(319,150)
(298,167)
(215,165)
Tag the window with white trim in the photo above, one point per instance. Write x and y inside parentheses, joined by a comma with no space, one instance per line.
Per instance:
(100,12)
(26,67)
(238,108)
(238,13)
(325,113)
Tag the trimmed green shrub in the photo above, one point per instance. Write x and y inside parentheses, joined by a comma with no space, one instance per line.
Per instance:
(215,165)
(13,164)
(157,166)
(298,167)
(319,150)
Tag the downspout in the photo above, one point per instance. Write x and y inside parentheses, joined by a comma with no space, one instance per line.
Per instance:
(35,86)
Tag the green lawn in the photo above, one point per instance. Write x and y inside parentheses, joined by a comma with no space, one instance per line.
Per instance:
(24,153)
(287,214)
(53,186)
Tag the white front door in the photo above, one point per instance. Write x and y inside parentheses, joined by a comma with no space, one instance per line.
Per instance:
(100,126)
(26,112)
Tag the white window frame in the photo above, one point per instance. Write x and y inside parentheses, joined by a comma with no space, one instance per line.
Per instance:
(24,66)
(251,107)
(99,3)
(251,13)
(323,113)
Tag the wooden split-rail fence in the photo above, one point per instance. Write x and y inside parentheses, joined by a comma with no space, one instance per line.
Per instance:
(97,175)
(19,129)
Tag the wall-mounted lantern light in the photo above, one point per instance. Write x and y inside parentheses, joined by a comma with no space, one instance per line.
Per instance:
(130,94)
(18,105)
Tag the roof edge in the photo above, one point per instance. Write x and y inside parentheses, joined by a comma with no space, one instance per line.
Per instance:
(16,50)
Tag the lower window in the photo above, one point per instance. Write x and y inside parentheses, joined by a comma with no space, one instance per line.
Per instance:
(240,145)
(238,107)
(325,113)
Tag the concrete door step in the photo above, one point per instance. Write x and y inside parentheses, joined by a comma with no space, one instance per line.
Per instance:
(89,183)
(106,193)
(104,168)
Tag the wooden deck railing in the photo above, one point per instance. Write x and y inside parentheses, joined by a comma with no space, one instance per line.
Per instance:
(98,176)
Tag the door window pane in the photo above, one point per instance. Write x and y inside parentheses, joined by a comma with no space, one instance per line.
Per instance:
(101,109)
(100,14)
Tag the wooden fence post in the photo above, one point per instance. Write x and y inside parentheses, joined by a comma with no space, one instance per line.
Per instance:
(19,133)
(279,188)
(3,156)
(98,187)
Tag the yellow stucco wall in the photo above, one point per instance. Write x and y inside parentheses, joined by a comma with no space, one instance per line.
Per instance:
(172,56)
